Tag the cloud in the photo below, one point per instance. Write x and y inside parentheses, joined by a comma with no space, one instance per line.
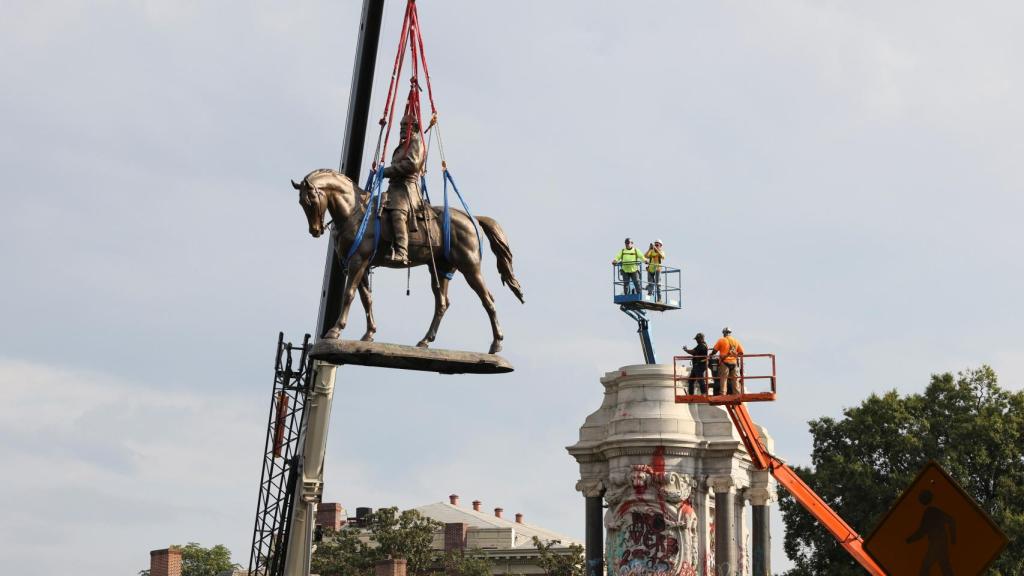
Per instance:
(107,460)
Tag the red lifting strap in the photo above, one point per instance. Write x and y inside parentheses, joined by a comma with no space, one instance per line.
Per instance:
(423,55)
(412,38)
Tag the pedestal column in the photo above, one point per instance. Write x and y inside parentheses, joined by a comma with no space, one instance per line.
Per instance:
(595,537)
(762,492)
(593,494)
(726,546)
(762,537)
(702,502)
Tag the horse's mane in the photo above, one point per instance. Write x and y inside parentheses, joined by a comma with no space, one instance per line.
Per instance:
(320,171)
(327,178)
(333,179)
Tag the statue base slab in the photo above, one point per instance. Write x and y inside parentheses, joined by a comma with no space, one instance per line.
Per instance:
(408,357)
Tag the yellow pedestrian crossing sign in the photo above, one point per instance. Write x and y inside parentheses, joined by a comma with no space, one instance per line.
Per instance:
(935,528)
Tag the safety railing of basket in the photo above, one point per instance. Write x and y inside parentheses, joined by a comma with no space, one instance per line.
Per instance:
(665,280)
(682,378)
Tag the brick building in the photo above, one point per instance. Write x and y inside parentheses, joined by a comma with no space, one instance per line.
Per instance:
(506,543)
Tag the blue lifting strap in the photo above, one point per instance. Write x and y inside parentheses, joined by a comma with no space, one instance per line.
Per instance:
(373,184)
(423,187)
(446,225)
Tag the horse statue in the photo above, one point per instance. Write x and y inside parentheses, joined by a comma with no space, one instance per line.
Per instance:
(329,191)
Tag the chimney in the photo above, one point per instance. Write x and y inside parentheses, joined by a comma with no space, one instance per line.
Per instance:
(455,536)
(519,517)
(476,505)
(498,511)
(453,499)
(331,516)
(390,567)
(166,562)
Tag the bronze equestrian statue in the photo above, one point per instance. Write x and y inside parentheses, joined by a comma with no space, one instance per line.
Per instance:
(328,191)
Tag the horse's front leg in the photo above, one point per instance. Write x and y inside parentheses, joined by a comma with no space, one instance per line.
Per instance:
(366,297)
(356,270)
(440,288)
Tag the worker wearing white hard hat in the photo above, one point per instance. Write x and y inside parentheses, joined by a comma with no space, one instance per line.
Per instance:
(655,258)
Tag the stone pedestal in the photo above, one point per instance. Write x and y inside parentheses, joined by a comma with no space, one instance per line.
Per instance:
(675,478)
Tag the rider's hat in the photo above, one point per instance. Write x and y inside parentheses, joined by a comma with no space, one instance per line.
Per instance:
(726,330)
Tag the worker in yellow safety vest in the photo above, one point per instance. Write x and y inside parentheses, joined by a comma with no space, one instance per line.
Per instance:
(730,352)
(629,260)
(655,257)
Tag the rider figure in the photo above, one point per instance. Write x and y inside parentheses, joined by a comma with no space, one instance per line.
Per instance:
(402,198)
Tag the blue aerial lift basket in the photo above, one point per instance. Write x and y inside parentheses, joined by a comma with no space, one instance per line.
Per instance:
(641,291)
(663,294)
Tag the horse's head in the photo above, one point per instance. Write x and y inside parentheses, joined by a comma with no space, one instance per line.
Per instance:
(314,203)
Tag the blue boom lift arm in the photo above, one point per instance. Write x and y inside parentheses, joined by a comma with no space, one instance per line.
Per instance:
(643,329)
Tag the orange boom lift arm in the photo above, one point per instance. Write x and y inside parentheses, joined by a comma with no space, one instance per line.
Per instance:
(801,492)
(847,537)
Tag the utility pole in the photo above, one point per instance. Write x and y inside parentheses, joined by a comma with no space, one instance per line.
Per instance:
(313,439)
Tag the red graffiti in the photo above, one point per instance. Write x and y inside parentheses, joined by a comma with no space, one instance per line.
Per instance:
(641,475)
(686,508)
(658,462)
(648,544)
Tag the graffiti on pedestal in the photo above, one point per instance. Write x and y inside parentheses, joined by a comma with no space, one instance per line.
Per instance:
(709,558)
(744,567)
(651,523)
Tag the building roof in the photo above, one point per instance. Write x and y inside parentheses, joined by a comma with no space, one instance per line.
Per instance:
(524,533)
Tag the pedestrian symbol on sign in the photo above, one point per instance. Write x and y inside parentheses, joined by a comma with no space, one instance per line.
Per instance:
(940,530)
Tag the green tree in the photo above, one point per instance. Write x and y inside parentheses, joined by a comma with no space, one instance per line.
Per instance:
(405,535)
(391,534)
(570,563)
(863,462)
(199,561)
(471,563)
(342,553)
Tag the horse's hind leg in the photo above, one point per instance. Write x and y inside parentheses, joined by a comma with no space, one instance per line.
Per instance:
(440,288)
(356,271)
(476,282)
(366,297)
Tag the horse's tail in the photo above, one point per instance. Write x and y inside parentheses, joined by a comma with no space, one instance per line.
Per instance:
(499,245)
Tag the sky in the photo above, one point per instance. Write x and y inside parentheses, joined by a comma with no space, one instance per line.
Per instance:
(839,183)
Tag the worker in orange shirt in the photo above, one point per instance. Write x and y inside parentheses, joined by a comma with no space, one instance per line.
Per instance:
(729,351)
